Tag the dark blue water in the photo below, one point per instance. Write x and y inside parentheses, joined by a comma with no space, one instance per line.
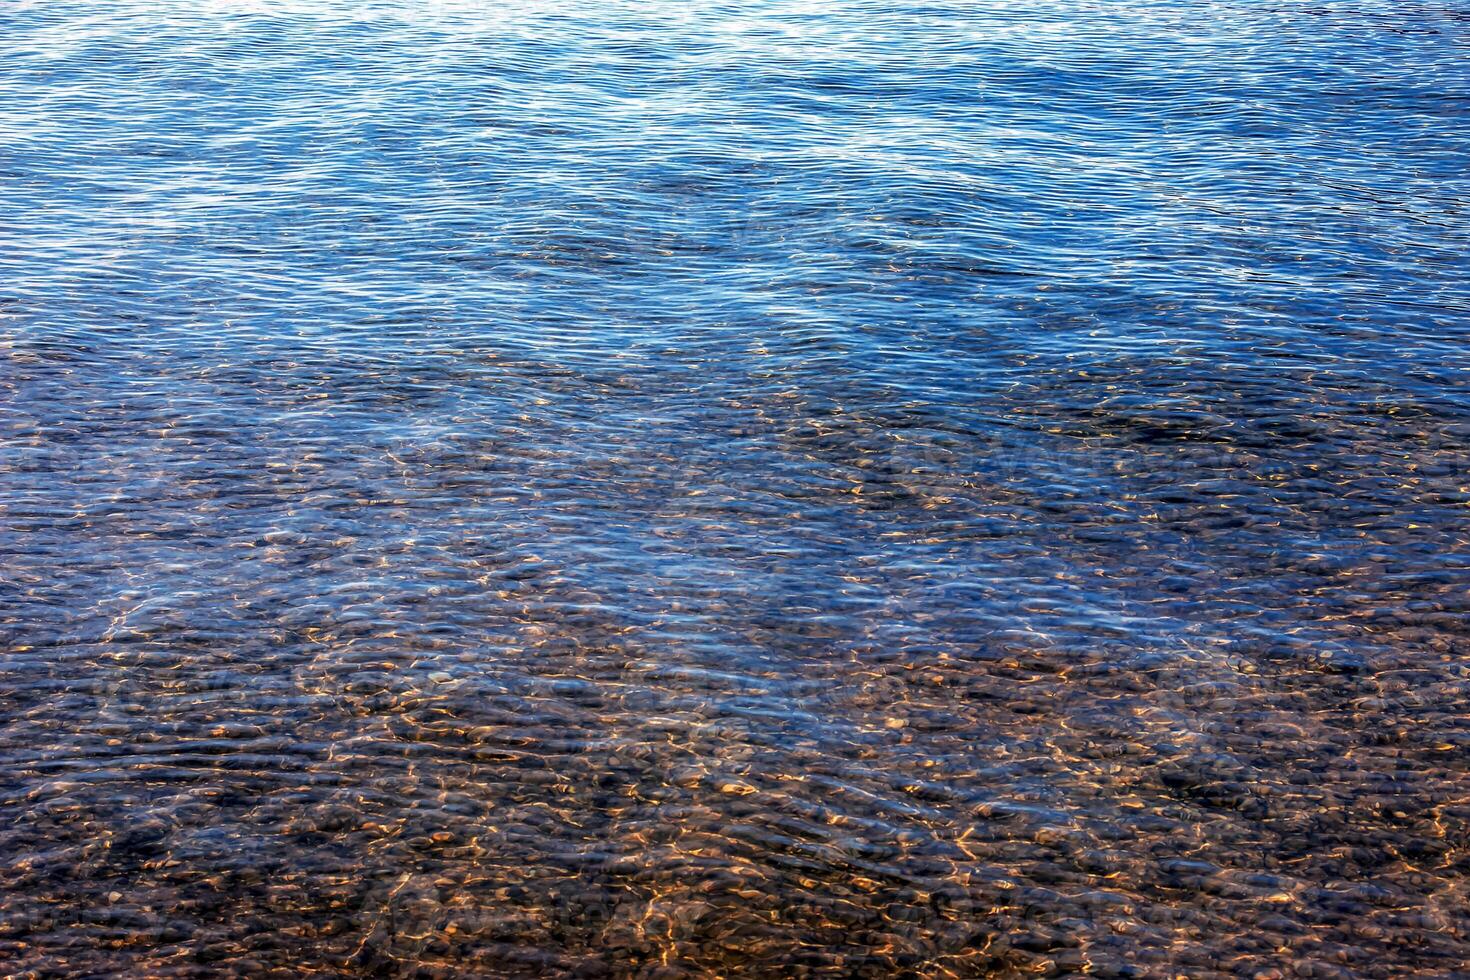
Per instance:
(860,489)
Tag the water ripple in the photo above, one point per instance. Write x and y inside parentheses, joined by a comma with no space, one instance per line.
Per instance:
(880,488)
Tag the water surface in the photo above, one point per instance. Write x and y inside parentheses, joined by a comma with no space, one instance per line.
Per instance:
(756,488)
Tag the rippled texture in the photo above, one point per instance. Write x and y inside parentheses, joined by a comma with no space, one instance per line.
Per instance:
(875,488)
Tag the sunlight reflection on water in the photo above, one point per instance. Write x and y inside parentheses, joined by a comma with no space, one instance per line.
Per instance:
(772,489)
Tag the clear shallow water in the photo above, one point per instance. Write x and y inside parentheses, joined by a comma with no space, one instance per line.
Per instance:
(861,489)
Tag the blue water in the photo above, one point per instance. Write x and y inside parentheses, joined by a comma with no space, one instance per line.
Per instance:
(754,488)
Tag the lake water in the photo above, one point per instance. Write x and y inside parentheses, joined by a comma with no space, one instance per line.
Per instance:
(895,488)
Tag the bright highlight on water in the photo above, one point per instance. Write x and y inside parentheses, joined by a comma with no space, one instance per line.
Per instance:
(734,489)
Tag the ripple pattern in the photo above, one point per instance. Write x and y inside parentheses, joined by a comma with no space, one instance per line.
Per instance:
(880,488)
